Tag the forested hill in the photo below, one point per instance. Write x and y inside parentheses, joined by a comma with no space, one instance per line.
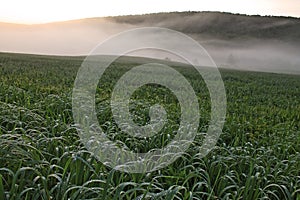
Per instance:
(221,25)
(261,43)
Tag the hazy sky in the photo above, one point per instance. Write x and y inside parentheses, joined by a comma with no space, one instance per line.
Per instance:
(41,11)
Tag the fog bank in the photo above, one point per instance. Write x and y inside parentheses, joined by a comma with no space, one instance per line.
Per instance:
(233,41)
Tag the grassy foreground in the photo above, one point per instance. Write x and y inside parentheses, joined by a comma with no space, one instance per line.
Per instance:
(41,157)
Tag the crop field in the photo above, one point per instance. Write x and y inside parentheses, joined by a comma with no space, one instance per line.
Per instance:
(41,155)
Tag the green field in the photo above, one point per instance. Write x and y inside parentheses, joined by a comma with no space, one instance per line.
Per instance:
(41,157)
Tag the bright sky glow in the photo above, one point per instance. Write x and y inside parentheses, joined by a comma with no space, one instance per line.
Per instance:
(42,11)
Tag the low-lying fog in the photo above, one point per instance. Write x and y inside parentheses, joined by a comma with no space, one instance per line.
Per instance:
(79,37)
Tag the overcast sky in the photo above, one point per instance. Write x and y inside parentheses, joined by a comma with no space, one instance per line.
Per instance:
(42,11)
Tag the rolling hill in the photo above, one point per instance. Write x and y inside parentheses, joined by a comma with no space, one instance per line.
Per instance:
(235,41)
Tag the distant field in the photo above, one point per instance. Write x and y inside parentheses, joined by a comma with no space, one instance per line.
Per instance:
(41,157)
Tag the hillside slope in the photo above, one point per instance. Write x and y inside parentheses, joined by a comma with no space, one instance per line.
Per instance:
(235,41)
(221,25)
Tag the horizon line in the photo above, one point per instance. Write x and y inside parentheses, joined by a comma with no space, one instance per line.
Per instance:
(112,16)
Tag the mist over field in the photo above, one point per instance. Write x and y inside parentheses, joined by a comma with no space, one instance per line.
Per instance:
(72,127)
(234,41)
